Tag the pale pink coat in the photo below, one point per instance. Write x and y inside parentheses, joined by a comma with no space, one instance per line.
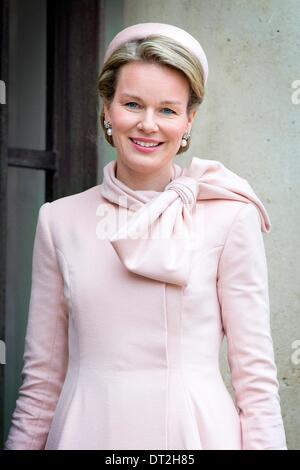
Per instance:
(123,338)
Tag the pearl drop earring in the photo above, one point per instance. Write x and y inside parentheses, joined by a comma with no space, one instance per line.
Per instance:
(184,140)
(107,126)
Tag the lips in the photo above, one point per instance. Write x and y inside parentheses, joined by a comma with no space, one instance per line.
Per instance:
(146,141)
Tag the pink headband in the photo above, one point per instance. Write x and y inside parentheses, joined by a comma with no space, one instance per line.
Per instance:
(141,30)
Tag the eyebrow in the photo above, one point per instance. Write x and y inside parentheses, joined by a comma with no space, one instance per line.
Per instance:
(126,95)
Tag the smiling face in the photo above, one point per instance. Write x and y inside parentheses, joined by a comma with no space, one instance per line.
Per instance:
(149,105)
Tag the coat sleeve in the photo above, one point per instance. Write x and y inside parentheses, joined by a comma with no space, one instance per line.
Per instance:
(46,346)
(244,299)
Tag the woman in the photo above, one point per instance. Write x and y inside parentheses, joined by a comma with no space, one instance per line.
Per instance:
(137,280)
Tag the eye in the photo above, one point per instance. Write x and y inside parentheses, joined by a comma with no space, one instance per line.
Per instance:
(134,105)
(168,109)
(131,103)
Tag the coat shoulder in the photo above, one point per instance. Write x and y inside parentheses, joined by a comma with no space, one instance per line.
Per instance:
(75,205)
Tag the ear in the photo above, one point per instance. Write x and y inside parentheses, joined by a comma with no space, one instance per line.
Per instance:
(191,118)
(106,111)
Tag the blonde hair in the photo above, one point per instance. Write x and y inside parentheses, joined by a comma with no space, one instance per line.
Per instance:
(153,49)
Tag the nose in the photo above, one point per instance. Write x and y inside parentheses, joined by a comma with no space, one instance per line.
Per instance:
(148,123)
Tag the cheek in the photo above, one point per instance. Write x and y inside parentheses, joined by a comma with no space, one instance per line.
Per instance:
(175,132)
(123,121)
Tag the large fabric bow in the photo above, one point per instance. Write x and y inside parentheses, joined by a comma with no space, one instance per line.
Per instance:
(157,239)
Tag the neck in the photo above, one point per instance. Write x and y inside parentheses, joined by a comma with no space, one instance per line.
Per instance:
(155,181)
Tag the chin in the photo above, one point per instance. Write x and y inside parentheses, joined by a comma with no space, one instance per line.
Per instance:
(142,160)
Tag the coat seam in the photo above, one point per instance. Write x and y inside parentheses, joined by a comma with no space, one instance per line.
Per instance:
(42,408)
(167,372)
(244,430)
(228,235)
(64,414)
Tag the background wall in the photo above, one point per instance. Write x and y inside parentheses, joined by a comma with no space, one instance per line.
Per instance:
(249,122)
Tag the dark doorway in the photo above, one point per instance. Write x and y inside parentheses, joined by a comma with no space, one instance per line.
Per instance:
(50,56)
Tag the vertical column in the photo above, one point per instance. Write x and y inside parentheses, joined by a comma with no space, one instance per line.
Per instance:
(3,191)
